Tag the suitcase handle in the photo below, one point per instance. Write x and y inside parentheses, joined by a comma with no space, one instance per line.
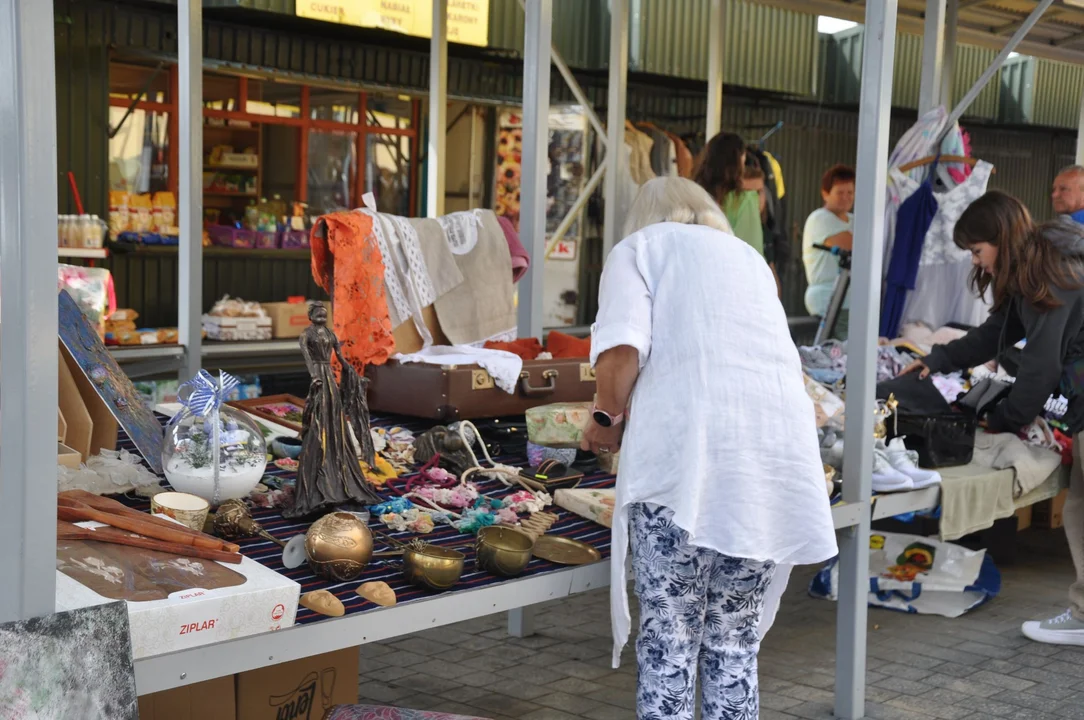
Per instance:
(525,387)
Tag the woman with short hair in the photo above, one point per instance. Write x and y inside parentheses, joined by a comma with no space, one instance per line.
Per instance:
(831,226)
(696,373)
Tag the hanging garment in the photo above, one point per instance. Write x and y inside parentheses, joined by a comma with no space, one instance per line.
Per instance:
(912,223)
(346,262)
(942,293)
(777,174)
(663,153)
(521,259)
(482,307)
(640,158)
(684,156)
(461,230)
(405,274)
(776,237)
(439,261)
(742,210)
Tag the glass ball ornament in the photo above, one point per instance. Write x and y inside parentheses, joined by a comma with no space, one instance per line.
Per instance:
(190,454)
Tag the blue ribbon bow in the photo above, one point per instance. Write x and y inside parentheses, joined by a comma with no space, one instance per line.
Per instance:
(205,393)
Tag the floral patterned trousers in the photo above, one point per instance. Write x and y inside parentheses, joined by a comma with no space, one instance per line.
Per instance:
(696,607)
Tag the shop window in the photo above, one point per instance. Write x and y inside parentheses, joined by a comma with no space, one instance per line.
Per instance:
(389,111)
(333,105)
(274,99)
(221,92)
(387,171)
(139,151)
(332,171)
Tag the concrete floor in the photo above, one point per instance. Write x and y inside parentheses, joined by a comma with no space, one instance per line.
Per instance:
(975,667)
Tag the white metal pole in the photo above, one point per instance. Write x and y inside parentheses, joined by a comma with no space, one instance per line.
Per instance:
(1002,56)
(716,53)
(438,111)
(948,62)
(190,200)
(472,170)
(933,56)
(28,335)
(535,163)
(615,122)
(874,114)
(1080,133)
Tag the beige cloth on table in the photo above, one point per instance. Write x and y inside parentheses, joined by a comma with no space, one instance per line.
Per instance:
(1003,451)
(482,306)
(440,262)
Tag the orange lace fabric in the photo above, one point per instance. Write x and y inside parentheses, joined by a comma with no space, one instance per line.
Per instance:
(346,262)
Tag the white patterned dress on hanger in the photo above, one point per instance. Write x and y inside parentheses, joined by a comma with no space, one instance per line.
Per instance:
(943,293)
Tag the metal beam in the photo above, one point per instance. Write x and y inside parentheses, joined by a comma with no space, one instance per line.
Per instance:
(933,57)
(965,4)
(1014,26)
(615,119)
(438,111)
(190,200)
(874,115)
(1069,39)
(948,63)
(716,55)
(1002,56)
(28,335)
(535,163)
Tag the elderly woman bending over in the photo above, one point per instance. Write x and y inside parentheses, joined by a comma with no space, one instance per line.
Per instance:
(720,476)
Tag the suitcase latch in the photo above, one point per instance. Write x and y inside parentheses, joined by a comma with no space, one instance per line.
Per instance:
(587,373)
(481,380)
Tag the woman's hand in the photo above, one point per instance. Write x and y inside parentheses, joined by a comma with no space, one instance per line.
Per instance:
(601,439)
(917,366)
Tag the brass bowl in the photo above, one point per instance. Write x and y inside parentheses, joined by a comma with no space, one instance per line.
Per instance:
(433,567)
(503,551)
(338,546)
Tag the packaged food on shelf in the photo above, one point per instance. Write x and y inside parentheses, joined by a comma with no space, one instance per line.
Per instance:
(165,213)
(233,319)
(232,237)
(140,213)
(118,213)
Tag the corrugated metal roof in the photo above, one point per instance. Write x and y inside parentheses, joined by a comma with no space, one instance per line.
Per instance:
(1058,91)
(766,48)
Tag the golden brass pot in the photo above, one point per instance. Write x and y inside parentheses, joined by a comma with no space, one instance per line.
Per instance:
(433,567)
(503,551)
(338,546)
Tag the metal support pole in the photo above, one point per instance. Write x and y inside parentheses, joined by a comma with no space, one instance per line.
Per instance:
(438,111)
(1080,133)
(716,41)
(948,62)
(874,114)
(535,163)
(28,335)
(612,222)
(1002,56)
(190,202)
(933,56)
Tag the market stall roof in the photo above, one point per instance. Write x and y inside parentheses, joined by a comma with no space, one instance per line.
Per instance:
(1059,35)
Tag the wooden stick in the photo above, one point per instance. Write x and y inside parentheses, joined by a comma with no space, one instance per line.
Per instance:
(68,531)
(75,511)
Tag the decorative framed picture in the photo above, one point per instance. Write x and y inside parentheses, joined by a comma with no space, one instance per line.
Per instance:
(284,410)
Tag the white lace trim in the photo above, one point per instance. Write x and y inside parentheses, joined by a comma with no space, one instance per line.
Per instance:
(461,230)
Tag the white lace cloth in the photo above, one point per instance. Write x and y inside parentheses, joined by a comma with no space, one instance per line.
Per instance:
(505,367)
(461,230)
(942,293)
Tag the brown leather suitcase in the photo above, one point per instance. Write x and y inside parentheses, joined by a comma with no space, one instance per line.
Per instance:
(467,392)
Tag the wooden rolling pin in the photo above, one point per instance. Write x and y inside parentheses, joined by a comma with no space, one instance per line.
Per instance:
(68,531)
(103,504)
(76,511)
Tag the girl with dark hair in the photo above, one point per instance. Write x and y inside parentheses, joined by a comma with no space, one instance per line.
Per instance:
(719,170)
(1036,277)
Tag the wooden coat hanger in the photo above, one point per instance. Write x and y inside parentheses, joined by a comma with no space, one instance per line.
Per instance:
(929,160)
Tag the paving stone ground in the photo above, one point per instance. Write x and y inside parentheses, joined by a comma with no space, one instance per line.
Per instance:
(977,667)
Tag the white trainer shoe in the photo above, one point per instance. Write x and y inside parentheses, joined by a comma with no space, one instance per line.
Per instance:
(906,461)
(887,478)
(1064,629)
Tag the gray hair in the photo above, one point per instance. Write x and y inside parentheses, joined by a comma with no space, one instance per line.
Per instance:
(674,199)
(1072,170)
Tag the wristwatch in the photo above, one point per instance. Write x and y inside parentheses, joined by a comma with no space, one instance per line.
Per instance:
(605,419)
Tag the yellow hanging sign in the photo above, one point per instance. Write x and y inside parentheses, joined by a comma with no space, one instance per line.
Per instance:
(468,20)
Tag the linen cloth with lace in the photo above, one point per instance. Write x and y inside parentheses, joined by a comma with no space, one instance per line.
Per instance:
(347,263)
(729,498)
(481,308)
(697,608)
(942,293)
(439,260)
(505,367)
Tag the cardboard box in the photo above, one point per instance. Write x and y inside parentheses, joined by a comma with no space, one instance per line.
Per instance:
(104,424)
(211,700)
(79,426)
(300,690)
(266,601)
(237,329)
(1023,518)
(1050,513)
(289,319)
(407,339)
(61,426)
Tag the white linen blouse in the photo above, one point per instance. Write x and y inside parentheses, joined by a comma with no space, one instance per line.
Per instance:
(720,428)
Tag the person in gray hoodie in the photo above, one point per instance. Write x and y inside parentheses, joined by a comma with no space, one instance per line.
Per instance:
(1035,275)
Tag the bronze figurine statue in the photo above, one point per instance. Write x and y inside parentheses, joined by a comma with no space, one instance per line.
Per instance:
(328,471)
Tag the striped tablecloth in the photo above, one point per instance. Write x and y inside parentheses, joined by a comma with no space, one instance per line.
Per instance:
(390,570)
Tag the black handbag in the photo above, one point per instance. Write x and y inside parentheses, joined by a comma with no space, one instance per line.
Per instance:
(943,440)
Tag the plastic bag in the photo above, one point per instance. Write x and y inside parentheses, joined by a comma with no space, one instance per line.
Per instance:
(92,289)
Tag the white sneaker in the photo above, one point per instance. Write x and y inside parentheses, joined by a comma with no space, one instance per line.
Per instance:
(886,478)
(906,461)
(1064,629)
